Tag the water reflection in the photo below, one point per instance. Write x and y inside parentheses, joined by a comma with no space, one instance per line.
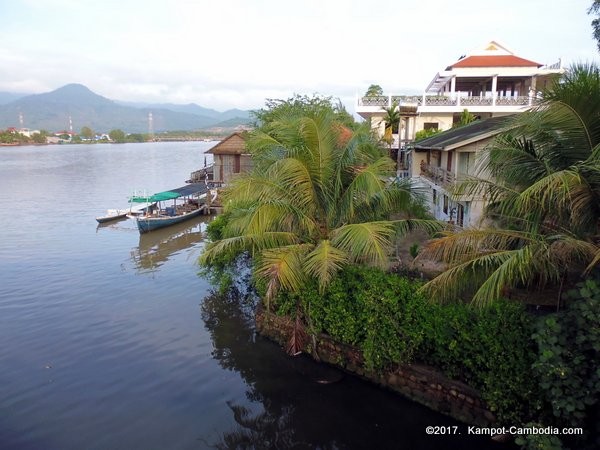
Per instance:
(155,248)
(288,409)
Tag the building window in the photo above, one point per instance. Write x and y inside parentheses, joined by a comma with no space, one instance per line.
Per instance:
(430,126)
(434,197)
(445,204)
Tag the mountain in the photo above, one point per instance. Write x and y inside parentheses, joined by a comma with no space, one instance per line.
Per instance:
(7,97)
(51,111)
(193,108)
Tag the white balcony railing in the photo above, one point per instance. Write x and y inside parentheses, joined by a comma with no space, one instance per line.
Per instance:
(386,101)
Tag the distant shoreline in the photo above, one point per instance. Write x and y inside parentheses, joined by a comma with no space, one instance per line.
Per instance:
(23,144)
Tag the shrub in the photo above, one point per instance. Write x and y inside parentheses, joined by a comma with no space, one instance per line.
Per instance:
(384,316)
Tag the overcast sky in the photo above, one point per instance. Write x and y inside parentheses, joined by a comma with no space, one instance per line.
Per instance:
(235,53)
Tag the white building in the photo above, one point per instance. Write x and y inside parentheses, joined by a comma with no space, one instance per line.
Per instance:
(490,81)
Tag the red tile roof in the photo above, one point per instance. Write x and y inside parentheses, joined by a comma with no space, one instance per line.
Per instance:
(495,61)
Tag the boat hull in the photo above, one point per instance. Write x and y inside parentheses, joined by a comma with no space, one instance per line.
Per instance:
(105,219)
(147,224)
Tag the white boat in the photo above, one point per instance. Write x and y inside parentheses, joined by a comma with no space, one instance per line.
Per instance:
(115,214)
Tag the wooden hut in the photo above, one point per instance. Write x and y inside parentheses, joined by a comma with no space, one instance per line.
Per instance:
(230,158)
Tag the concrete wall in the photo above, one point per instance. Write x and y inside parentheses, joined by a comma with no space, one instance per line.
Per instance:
(420,383)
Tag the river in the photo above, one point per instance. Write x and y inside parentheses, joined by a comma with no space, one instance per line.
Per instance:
(110,340)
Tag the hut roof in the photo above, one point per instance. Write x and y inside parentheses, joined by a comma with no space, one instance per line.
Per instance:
(234,144)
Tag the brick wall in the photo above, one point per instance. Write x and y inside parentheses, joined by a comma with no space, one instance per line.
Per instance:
(418,382)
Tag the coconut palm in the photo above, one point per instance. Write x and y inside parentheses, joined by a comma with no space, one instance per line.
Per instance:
(541,179)
(391,119)
(318,199)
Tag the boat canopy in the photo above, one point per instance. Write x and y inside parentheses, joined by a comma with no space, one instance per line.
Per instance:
(190,189)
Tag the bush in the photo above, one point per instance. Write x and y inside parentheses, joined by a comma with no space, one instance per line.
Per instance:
(385,316)
(568,357)
(551,379)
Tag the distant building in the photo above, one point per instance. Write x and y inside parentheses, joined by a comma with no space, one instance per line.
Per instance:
(230,158)
(490,81)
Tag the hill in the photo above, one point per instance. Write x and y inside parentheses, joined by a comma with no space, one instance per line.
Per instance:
(51,111)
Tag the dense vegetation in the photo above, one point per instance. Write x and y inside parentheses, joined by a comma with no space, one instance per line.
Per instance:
(541,179)
(317,210)
(317,200)
(529,370)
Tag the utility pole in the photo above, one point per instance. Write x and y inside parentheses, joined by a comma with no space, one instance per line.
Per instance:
(150,127)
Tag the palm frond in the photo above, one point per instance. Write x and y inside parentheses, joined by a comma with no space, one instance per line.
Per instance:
(324,261)
(367,242)
(282,267)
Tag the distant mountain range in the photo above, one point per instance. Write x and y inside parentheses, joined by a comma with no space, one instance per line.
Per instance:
(51,111)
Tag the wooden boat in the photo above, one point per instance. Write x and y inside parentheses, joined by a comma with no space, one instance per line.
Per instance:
(116,214)
(188,201)
(113,214)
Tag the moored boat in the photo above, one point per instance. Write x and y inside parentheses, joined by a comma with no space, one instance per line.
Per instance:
(188,201)
(116,214)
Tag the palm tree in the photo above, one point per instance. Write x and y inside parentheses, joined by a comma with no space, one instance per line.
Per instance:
(318,199)
(541,179)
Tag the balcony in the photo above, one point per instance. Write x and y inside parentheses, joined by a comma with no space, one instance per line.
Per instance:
(438,175)
(370,106)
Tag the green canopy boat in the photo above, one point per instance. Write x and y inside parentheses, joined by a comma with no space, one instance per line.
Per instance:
(192,203)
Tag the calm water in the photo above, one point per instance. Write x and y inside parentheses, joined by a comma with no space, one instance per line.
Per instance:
(112,341)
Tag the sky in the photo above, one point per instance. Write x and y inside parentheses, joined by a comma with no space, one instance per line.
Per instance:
(227,54)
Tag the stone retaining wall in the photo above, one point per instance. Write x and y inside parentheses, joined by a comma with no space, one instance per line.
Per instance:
(418,382)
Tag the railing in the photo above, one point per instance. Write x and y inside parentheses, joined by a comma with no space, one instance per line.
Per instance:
(556,65)
(402,173)
(442,100)
(437,174)
(514,101)
(199,176)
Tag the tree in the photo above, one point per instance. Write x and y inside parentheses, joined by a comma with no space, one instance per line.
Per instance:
(39,138)
(374,90)
(136,137)
(318,199)
(117,136)
(595,10)
(392,117)
(541,179)
(86,133)
(299,105)
(465,118)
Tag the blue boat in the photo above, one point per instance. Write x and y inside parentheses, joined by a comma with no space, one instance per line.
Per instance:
(188,201)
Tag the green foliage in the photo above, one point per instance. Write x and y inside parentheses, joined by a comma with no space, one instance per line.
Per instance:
(540,178)
(392,117)
(385,316)
(538,441)
(414,250)
(319,198)
(301,106)
(11,137)
(136,137)
(568,356)
(87,133)
(39,138)
(424,134)
(465,118)
(367,308)
(117,136)
(374,90)
(490,349)
(222,269)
